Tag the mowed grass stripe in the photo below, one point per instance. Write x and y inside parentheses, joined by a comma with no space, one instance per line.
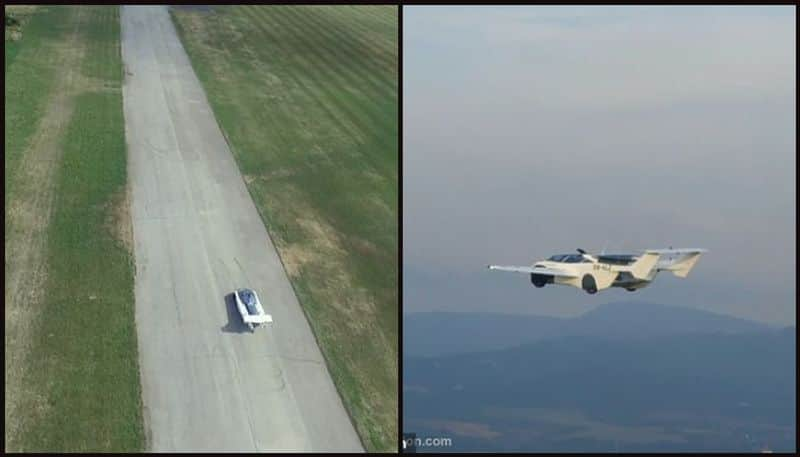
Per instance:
(311,84)
(382,74)
(386,15)
(372,12)
(382,59)
(308,86)
(336,214)
(29,80)
(318,65)
(85,368)
(351,58)
(341,95)
(275,56)
(371,29)
(224,104)
(106,67)
(381,143)
(88,338)
(281,141)
(347,52)
(382,80)
(29,197)
(380,38)
(386,27)
(343,74)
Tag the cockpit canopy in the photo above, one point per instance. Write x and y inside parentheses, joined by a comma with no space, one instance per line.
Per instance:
(249,299)
(568,258)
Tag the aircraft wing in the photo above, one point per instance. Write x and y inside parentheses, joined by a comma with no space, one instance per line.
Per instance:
(537,270)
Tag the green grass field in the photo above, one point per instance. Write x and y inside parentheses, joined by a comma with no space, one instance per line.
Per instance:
(28,83)
(307,98)
(71,359)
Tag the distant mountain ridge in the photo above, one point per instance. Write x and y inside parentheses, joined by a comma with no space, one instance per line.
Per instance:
(697,392)
(440,333)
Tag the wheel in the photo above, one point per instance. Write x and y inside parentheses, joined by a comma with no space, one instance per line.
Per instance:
(538,280)
(588,283)
(630,289)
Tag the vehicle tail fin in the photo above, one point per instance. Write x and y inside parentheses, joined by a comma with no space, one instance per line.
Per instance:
(682,267)
(644,264)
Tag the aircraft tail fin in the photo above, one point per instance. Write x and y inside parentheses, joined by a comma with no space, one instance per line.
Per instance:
(679,261)
(682,267)
(644,264)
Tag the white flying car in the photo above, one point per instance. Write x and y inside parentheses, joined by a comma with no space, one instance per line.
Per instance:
(592,273)
(250,308)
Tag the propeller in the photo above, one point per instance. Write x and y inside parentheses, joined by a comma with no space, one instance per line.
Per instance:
(587,256)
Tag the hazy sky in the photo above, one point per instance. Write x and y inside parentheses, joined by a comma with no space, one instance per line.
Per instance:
(531,131)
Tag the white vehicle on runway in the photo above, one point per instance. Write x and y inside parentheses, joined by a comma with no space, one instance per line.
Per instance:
(597,272)
(250,308)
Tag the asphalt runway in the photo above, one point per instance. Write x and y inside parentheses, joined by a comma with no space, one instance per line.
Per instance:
(208,383)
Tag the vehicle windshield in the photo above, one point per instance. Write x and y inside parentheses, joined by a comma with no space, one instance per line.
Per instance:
(249,299)
(567,258)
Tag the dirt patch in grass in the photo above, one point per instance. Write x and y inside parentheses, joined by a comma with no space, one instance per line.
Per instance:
(323,249)
(119,219)
(342,311)
(16,17)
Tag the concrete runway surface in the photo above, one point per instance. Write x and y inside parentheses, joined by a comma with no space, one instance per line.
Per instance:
(208,383)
